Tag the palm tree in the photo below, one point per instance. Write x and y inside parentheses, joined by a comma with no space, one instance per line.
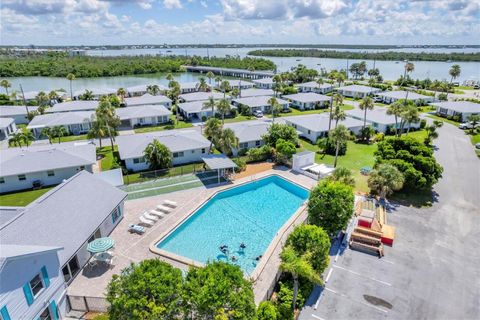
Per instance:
(223,107)
(202,84)
(157,155)
(340,77)
(298,266)
(224,87)
(106,114)
(173,93)
(47,132)
(42,99)
(16,139)
(59,132)
(319,81)
(474,119)
(53,96)
(87,95)
(153,89)
(432,131)
(210,76)
(337,99)
(97,131)
(454,73)
(27,136)
(122,93)
(213,130)
(410,115)
(235,93)
(343,175)
(408,68)
(339,135)
(169,77)
(227,141)
(275,107)
(71,77)
(366,104)
(210,104)
(5,84)
(395,109)
(385,179)
(218,79)
(338,115)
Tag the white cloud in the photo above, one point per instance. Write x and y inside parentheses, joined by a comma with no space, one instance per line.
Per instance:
(204,4)
(172,4)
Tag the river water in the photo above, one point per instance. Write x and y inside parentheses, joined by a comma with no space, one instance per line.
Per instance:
(390,70)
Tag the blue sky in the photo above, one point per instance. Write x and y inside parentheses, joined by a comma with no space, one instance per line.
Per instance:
(97,22)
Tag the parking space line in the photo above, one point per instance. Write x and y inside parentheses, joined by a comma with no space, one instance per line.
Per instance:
(328,275)
(361,302)
(361,275)
(318,301)
(317,317)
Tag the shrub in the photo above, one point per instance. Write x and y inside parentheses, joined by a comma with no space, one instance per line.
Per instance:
(423,123)
(259,154)
(266,311)
(379,137)
(280,131)
(329,147)
(442,97)
(241,164)
(204,118)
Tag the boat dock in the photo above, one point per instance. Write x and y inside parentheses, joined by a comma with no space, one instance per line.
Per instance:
(238,73)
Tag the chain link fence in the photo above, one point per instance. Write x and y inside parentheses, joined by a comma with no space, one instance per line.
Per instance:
(86,304)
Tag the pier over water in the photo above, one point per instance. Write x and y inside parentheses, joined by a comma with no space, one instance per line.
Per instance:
(238,73)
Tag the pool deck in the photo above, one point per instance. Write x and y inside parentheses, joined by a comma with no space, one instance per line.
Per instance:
(133,248)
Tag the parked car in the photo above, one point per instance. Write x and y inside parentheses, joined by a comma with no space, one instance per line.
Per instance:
(377,99)
(258,113)
(468,125)
(477,145)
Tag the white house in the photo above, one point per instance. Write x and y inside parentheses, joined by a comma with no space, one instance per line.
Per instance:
(49,164)
(357,91)
(18,113)
(7,127)
(263,83)
(75,122)
(202,96)
(238,84)
(379,119)
(27,95)
(97,93)
(392,96)
(188,87)
(140,90)
(195,110)
(75,105)
(308,100)
(462,109)
(258,103)
(144,115)
(186,146)
(44,245)
(313,86)
(314,126)
(253,92)
(148,99)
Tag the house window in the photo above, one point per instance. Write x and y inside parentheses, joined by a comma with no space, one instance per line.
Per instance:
(50,173)
(22,177)
(308,131)
(46,315)
(139,160)
(203,150)
(116,214)
(94,236)
(141,120)
(193,151)
(36,285)
(243,145)
(178,154)
(2,180)
(82,168)
(70,269)
(257,143)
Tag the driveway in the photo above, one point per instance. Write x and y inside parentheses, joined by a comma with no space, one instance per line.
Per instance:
(432,271)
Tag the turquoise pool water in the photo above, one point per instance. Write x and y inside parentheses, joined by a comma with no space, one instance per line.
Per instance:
(250,214)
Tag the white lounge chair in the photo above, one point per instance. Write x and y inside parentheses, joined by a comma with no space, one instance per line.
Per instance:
(169,203)
(156,213)
(136,228)
(146,221)
(163,208)
(150,216)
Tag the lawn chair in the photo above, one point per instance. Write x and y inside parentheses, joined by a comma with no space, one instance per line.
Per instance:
(150,216)
(169,203)
(157,213)
(163,208)
(135,228)
(146,221)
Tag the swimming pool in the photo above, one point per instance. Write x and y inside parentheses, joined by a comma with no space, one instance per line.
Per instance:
(251,213)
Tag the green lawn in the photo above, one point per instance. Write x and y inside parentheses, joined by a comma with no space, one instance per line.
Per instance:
(178,125)
(358,155)
(108,157)
(174,171)
(71,138)
(239,118)
(455,123)
(22,198)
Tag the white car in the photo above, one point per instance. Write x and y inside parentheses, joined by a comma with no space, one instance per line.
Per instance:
(477,145)
(468,125)
(258,113)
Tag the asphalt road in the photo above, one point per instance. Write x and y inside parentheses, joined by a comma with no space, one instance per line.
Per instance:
(433,269)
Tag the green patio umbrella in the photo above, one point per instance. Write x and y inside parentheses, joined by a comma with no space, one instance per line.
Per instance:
(100,245)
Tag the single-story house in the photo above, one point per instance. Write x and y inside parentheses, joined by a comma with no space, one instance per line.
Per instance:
(258,103)
(462,109)
(28,95)
(75,105)
(239,84)
(195,110)
(314,126)
(148,99)
(18,113)
(256,92)
(44,246)
(7,127)
(140,90)
(313,86)
(75,122)
(379,119)
(264,83)
(97,93)
(186,146)
(201,96)
(188,87)
(357,91)
(143,115)
(308,100)
(392,96)
(48,164)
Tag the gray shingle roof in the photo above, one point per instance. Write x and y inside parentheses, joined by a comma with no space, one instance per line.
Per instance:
(197,96)
(61,119)
(306,97)
(14,251)
(319,122)
(236,83)
(314,85)
(377,115)
(402,94)
(459,106)
(264,81)
(193,106)
(256,92)
(188,85)
(251,130)
(66,216)
(218,161)
(96,91)
(142,111)
(359,88)
(5,122)
(146,99)
(132,146)
(15,161)
(143,87)
(75,105)
(259,101)
(9,213)
(9,111)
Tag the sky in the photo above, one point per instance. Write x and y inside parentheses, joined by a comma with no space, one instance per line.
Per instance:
(130,22)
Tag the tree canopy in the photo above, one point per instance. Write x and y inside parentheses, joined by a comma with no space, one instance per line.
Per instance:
(280,131)
(157,155)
